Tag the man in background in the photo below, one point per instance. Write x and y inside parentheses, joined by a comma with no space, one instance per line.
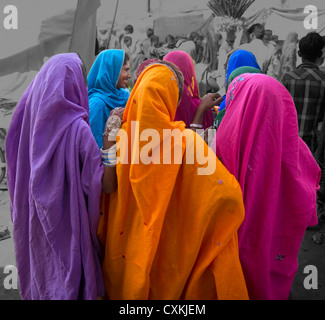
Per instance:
(256,46)
(306,85)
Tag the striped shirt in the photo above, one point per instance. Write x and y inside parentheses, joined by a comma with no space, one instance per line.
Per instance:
(306,85)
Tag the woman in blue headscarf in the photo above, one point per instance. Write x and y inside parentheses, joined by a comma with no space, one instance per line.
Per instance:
(239,58)
(107,88)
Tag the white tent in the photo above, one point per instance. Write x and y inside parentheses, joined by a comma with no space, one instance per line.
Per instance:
(45,28)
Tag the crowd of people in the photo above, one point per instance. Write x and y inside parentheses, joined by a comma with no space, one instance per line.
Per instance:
(127,182)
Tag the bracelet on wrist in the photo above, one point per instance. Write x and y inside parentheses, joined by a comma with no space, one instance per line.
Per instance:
(196,126)
(109,157)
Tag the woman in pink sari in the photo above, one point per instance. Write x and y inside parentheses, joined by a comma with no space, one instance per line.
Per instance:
(258,143)
(190,99)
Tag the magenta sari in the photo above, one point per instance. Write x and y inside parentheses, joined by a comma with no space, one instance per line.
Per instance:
(258,143)
(190,97)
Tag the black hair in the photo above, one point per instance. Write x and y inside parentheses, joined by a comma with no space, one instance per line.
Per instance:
(126,58)
(129,28)
(150,31)
(127,37)
(153,38)
(258,29)
(311,46)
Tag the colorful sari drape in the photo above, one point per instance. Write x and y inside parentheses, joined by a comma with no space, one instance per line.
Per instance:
(190,98)
(169,232)
(278,176)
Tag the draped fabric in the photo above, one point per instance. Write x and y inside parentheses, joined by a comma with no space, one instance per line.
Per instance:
(278,176)
(54,172)
(170,230)
(102,92)
(54,27)
(190,98)
(240,58)
(241,70)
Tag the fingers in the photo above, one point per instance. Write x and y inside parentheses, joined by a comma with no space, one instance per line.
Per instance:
(218,101)
(118,112)
(216,95)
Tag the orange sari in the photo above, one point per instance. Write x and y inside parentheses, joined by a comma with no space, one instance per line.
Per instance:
(169,231)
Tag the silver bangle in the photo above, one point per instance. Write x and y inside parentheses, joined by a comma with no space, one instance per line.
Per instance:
(109,157)
(196,126)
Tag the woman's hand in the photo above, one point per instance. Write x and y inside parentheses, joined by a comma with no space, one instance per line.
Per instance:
(210,100)
(113,124)
(118,112)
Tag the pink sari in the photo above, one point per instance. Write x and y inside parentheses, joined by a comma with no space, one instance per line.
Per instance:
(190,97)
(258,143)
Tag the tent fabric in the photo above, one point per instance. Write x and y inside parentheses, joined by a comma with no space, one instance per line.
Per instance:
(181,25)
(54,27)
(283,21)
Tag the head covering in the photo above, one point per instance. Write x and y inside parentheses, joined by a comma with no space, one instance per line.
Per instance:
(241,70)
(278,176)
(103,77)
(102,92)
(54,175)
(239,58)
(160,242)
(190,97)
(142,66)
(237,72)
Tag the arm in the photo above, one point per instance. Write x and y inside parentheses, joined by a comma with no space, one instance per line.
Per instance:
(208,101)
(109,152)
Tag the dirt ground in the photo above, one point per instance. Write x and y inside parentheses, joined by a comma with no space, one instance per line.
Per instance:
(311,253)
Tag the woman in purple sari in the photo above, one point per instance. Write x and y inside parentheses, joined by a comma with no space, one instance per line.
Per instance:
(55,179)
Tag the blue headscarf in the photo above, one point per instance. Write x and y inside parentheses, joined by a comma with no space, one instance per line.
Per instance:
(240,58)
(102,92)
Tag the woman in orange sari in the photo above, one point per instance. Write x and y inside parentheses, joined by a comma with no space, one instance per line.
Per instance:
(170,230)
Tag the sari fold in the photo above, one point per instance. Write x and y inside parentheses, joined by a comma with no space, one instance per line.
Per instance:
(54,180)
(258,143)
(169,232)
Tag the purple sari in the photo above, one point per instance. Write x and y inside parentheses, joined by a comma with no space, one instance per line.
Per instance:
(54,180)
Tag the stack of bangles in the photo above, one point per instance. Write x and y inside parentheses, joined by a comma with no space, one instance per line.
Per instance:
(109,157)
(113,125)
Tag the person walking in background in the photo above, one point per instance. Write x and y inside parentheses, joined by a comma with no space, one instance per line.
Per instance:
(55,177)
(146,43)
(274,69)
(258,143)
(288,60)
(306,85)
(256,46)
(107,88)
